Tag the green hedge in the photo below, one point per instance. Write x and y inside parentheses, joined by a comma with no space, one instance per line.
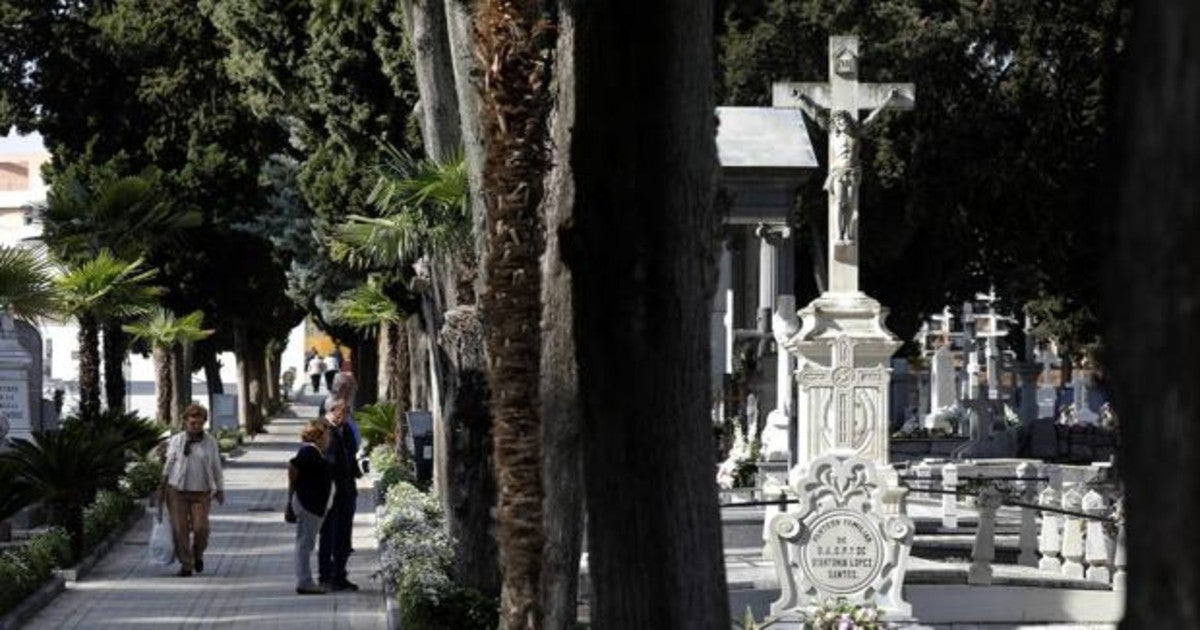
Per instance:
(26,567)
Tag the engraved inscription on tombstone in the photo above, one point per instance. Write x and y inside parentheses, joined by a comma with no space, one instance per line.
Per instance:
(846,540)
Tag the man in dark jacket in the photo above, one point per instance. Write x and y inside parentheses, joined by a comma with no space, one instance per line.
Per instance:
(334,548)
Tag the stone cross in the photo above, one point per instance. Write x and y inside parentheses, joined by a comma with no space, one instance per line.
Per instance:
(835,105)
(845,424)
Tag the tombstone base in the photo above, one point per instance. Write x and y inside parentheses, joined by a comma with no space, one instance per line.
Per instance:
(843,383)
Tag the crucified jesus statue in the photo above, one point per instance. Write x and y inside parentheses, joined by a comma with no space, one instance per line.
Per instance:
(845,169)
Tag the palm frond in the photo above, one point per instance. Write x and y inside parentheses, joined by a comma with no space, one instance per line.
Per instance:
(366,308)
(107,287)
(162,328)
(26,289)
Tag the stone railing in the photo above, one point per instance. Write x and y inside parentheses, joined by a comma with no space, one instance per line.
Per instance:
(1077,537)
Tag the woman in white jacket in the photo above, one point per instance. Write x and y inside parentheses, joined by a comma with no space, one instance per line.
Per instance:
(191,479)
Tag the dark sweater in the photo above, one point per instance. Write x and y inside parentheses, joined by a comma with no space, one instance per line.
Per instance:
(340,457)
(314,479)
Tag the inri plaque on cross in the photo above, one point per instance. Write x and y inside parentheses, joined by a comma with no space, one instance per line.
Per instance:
(835,106)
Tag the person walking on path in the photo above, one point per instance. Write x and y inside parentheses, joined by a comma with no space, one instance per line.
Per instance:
(192,477)
(333,550)
(316,367)
(333,365)
(309,488)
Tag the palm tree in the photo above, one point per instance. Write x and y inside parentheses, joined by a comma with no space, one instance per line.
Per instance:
(424,210)
(95,291)
(124,215)
(65,469)
(26,291)
(163,330)
(517,41)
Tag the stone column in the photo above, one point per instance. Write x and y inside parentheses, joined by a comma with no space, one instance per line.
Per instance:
(720,331)
(775,438)
(15,363)
(971,386)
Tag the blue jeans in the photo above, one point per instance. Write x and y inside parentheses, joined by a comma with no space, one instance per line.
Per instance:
(308,525)
(334,549)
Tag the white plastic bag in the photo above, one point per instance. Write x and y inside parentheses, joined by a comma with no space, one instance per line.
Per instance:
(162,541)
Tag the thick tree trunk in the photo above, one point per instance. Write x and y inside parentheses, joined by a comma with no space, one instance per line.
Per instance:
(469,487)
(115,343)
(517,100)
(212,373)
(642,255)
(178,375)
(418,364)
(460,28)
(366,371)
(162,385)
(426,21)
(89,366)
(562,470)
(274,355)
(250,373)
(180,379)
(1153,287)
(399,379)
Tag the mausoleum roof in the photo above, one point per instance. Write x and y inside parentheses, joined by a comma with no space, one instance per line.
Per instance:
(763,138)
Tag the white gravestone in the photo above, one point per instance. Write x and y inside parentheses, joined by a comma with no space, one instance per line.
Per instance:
(846,541)
(15,363)
(941,376)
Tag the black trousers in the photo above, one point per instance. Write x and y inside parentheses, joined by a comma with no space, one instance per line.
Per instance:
(333,548)
(316,382)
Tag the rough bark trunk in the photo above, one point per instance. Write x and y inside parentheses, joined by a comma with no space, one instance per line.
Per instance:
(426,21)
(273,357)
(418,363)
(642,256)
(459,26)
(249,379)
(115,343)
(179,375)
(1153,288)
(469,486)
(366,371)
(212,373)
(399,380)
(162,385)
(562,472)
(89,366)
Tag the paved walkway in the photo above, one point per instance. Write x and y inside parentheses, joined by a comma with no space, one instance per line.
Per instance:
(248,581)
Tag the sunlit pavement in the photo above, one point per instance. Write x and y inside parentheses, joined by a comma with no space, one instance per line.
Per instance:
(248,579)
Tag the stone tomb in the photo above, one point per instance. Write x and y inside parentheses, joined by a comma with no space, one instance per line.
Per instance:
(16,396)
(848,540)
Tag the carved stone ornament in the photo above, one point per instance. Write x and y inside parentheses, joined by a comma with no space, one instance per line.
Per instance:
(842,543)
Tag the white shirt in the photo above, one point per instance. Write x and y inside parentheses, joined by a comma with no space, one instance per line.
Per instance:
(198,471)
(316,365)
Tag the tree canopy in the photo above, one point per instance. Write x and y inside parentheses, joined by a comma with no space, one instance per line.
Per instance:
(1016,88)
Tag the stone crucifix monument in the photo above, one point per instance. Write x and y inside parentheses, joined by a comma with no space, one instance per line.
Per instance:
(843,344)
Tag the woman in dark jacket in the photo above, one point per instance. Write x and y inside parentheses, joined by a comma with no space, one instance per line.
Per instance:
(309,483)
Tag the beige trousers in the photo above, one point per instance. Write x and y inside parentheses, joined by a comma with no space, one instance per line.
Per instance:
(189,519)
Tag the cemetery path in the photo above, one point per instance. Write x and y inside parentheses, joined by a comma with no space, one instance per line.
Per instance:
(249,578)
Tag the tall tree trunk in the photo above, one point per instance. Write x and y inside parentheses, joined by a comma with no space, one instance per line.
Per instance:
(273,355)
(426,21)
(162,385)
(89,366)
(1153,287)
(398,380)
(562,470)
(212,369)
(187,361)
(643,257)
(418,363)
(180,378)
(517,100)
(460,28)
(249,376)
(458,390)
(469,488)
(366,371)
(115,343)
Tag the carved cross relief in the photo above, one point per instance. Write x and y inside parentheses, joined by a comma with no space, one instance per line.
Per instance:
(845,398)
